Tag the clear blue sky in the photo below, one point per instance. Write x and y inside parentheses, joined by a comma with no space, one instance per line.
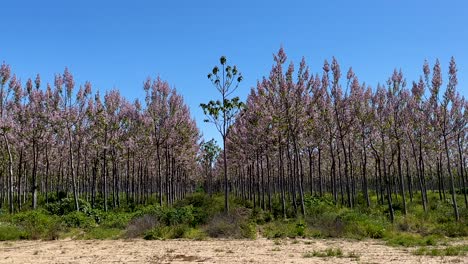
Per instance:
(117,44)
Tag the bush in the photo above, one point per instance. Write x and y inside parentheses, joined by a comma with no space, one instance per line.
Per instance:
(78,219)
(285,228)
(138,226)
(67,205)
(169,215)
(115,220)
(9,232)
(195,234)
(157,232)
(452,229)
(358,225)
(233,225)
(410,240)
(38,224)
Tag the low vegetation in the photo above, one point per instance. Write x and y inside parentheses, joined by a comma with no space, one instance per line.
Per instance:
(200,216)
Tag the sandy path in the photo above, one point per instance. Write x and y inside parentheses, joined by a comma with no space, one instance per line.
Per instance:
(211,251)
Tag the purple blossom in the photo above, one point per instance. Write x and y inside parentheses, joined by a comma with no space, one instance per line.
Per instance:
(88,89)
(5,72)
(37,81)
(326,66)
(426,69)
(436,76)
(281,57)
(68,81)
(58,82)
(29,86)
(336,70)
(453,73)
(350,73)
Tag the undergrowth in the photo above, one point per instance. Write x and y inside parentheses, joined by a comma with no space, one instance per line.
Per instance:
(200,216)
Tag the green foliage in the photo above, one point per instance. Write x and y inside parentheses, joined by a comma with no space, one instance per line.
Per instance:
(78,219)
(115,220)
(165,232)
(410,240)
(359,225)
(11,232)
(329,252)
(199,216)
(195,234)
(236,224)
(38,224)
(284,228)
(169,215)
(461,250)
(66,205)
(139,225)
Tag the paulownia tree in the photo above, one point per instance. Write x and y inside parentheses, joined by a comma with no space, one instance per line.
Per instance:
(222,113)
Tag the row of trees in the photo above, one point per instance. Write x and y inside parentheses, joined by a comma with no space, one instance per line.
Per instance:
(100,148)
(303,133)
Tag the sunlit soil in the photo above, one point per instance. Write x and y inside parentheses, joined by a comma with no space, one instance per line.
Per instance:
(214,251)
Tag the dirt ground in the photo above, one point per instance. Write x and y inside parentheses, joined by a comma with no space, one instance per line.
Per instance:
(210,251)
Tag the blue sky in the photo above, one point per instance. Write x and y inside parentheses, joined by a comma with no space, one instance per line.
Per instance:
(117,44)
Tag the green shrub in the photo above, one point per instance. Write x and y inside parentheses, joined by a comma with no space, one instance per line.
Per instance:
(195,234)
(358,225)
(329,252)
(139,225)
(156,233)
(115,220)
(233,225)
(410,240)
(461,250)
(452,229)
(9,232)
(78,219)
(67,205)
(248,230)
(284,228)
(38,224)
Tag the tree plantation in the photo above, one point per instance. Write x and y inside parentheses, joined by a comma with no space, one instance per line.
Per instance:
(103,149)
(316,134)
(308,154)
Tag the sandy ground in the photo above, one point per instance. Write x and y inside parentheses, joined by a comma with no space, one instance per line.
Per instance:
(211,251)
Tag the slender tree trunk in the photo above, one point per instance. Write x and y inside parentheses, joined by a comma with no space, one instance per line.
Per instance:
(226,187)
(462,170)
(34,177)
(452,182)
(72,171)
(400,175)
(10,174)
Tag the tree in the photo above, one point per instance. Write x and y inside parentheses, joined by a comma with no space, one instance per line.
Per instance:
(210,152)
(223,113)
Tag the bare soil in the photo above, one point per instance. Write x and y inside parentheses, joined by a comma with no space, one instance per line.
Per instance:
(210,251)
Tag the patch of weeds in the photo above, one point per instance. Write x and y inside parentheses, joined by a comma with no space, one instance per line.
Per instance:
(10,232)
(195,234)
(446,251)
(410,240)
(329,252)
